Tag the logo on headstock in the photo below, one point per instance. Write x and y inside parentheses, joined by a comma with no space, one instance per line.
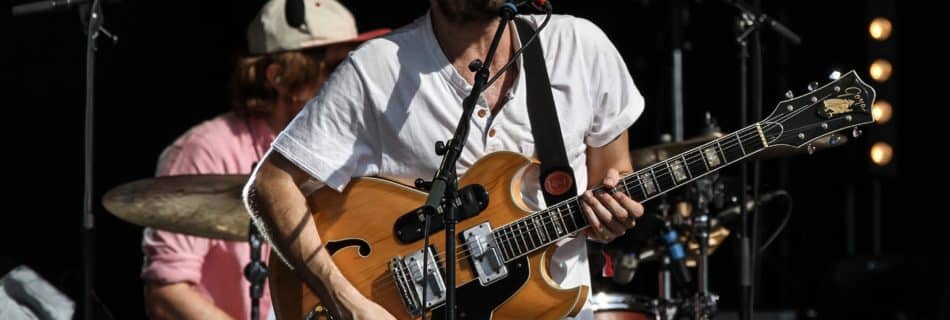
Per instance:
(846,102)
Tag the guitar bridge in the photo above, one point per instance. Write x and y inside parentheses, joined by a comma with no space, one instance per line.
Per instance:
(410,278)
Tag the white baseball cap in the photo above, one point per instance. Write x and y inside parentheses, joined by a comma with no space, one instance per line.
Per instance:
(326,22)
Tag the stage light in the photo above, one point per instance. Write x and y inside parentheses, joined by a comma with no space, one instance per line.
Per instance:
(880,29)
(881,70)
(881,153)
(881,111)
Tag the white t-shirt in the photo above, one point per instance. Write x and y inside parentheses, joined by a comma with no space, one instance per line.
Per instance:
(383,109)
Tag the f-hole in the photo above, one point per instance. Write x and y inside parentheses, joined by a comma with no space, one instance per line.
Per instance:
(362,246)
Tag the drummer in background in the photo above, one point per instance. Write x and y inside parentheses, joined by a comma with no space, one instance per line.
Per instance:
(190,277)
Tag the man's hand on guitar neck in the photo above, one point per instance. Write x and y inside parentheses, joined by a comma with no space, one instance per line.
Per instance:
(610,213)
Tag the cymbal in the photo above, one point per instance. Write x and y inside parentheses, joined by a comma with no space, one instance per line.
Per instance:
(825,142)
(644,157)
(202,205)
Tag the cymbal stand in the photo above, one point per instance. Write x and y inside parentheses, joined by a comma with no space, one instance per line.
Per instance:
(255,271)
(704,302)
(666,306)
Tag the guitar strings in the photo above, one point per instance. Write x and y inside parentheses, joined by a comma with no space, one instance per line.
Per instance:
(528,227)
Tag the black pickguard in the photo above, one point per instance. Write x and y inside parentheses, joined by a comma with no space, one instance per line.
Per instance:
(473,301)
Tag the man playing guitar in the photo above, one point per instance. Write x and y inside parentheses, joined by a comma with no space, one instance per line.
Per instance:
(384,107)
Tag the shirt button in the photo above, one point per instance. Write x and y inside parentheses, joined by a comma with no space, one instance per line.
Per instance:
(491,133)
(482,113)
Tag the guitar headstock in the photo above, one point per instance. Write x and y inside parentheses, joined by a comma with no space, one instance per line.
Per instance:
(842,104)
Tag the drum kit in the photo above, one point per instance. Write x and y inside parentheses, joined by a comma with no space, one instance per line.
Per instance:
(614,265)
(211,206)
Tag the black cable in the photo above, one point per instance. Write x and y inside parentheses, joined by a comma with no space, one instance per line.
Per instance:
(425,265)
(514,57)
(781,226)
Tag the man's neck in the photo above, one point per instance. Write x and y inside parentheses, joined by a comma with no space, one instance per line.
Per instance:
(464,41)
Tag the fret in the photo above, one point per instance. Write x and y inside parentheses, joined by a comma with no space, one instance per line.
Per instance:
(739,142)
(626,189)
(570,213)
(722,154)
(541,230)
(559,227)
(676,167)
(562,216)
(731,152)
(689,173)
(530,234)
(695,163)
(649,185)
(579,215)
(513,237)
(550,228)
(501,247)
(663,177)
(521,235)
(711,156)
(640,186)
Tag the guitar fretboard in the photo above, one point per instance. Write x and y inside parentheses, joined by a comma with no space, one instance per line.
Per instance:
(542,228)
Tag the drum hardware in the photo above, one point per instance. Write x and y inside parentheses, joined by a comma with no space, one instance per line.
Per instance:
(207,206)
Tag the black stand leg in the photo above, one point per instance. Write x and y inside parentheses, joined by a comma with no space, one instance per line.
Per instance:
(255,271)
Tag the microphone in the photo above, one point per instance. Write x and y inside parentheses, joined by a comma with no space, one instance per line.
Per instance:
(294,13)
(625,264)
(49,5)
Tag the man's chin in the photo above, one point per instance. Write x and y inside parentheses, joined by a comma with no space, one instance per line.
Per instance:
(470,10)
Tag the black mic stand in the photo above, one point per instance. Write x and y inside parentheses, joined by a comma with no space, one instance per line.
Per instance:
(91,17)
(749,22)
(443,195)
(255,271)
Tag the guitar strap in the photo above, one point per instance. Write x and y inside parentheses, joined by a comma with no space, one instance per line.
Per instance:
(556,178)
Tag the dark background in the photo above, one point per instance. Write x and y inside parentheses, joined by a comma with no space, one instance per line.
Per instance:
(170,69)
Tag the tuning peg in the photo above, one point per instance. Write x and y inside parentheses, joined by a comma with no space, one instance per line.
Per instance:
(789,94)
(811,149)
(856,132)
(835,139)
(812,85)
(835,75)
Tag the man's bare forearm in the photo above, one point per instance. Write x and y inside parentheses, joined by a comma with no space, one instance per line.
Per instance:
(283,209)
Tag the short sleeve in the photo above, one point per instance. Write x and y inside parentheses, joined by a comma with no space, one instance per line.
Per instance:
(617,102)
(335,135)
(172,257)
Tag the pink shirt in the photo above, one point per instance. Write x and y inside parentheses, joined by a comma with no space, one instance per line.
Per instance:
(227,144)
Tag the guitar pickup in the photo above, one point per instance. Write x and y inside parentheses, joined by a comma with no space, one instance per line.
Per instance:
(485,255)
(435,291)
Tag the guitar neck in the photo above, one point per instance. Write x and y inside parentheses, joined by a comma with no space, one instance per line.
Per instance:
(542,228)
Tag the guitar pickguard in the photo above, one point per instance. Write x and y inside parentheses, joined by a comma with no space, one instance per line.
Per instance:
(474,301)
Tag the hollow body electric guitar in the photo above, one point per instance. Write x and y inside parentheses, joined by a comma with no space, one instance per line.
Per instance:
(373,233)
